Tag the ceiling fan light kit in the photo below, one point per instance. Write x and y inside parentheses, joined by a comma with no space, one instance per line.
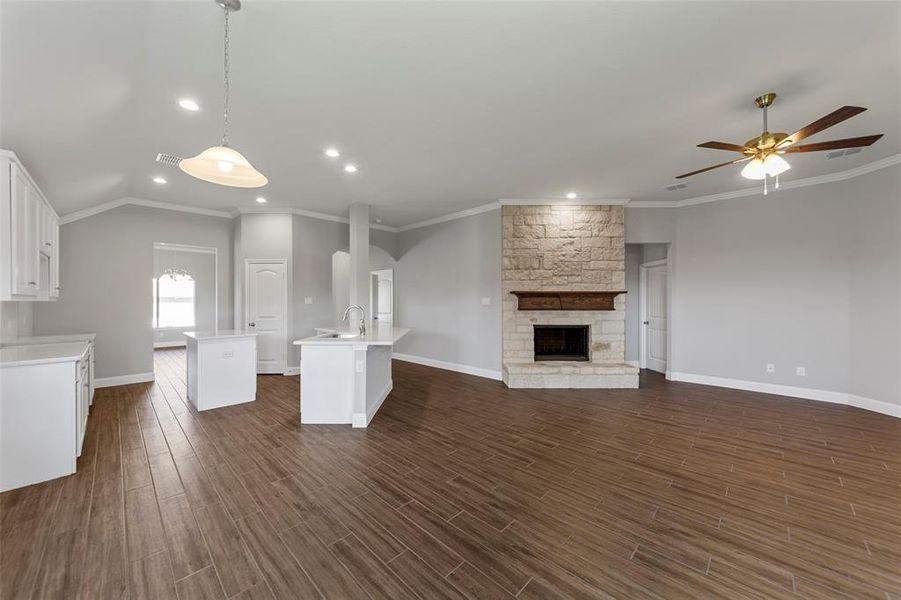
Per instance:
(763,153)
(221,164)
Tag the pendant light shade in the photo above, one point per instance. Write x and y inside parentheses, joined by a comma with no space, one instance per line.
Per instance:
(772,165)
(225,166)
(754,170)
(221,164)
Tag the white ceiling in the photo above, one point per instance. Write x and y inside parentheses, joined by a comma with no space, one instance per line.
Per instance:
(443,106)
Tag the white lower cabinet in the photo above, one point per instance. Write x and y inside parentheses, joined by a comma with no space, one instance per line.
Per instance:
(45,395)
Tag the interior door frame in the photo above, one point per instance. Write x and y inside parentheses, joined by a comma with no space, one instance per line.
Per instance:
(258,261)
(643,310)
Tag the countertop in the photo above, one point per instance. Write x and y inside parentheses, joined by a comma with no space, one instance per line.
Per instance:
(36,354)
(380,335)
(220,334)
(50,339)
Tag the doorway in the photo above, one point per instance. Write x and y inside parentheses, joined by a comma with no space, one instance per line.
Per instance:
(382,291)
(653,315)
(266,311)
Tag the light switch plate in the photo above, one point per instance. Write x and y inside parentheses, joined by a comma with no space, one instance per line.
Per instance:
(800,371)
(360,366)
(308,300)
(228,354)
(771,368)
(486,301)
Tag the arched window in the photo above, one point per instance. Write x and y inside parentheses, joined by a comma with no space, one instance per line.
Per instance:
(173,301)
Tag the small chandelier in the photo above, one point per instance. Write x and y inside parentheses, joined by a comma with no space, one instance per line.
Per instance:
(222,164)
(175,272)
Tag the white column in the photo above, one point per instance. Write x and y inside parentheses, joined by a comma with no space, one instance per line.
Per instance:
(359,257)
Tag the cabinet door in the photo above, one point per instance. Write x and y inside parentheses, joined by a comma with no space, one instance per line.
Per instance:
(25,259)
(45,225)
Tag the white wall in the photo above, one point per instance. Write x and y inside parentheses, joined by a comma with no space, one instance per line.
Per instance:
(443,271)
(15,320)
(106,269)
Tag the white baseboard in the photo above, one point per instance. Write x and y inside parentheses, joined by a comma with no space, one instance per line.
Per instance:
(875,405)
(634,363)
(174,344)
(363,420)
(292,371)
(789,390)
(102,382)
(449,366)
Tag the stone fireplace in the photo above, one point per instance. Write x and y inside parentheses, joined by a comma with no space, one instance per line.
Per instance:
(551,253)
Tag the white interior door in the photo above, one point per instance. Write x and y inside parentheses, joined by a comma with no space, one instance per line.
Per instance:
(266,312)
(654,323)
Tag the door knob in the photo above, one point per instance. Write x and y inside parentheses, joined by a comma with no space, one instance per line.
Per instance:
(645,322)
(252,324)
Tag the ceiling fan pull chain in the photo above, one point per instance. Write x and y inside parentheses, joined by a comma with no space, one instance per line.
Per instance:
(226,86)
(764,185)
(777,182)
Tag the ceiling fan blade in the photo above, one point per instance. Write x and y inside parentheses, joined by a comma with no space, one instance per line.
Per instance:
(836,144)
(723,146)
(833,118)
(731,162)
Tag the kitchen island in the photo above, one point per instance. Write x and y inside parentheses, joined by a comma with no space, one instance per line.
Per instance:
(345,377)
(221,367)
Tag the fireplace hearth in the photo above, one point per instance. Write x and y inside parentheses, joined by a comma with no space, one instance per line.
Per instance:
(561,342)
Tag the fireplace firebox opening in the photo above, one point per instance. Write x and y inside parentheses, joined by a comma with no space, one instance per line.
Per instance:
(561,342)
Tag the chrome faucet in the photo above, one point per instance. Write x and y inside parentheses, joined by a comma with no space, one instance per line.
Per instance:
(362,317)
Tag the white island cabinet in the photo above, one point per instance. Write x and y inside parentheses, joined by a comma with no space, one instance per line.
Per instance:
(43,411)
(222,368)
(345,377)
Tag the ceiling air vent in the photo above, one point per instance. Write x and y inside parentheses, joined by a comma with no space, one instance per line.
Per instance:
(168,159)
(677,186)
(840,153)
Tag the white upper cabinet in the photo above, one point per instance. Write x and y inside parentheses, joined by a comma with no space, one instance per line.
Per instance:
(29,236)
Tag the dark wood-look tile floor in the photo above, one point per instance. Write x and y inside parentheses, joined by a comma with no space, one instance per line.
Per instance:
(461,488)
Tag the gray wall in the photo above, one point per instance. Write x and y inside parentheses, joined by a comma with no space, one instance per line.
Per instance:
(202,267)
(105,279)
(875,286)
(443,271)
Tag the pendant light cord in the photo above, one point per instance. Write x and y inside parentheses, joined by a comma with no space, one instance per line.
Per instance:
(225,107)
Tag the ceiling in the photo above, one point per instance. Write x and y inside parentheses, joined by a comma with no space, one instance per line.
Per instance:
(443,106)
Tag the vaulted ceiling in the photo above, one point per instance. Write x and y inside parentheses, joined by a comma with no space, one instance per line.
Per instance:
(442,105)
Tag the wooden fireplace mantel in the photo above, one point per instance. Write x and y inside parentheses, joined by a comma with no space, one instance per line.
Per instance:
(551,300)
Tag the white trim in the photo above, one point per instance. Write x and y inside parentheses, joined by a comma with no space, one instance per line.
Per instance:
(173,344)
(363,420)
(878,406)
(291,371)
(184,248)
(634,363)
(303,213)
(449,366)
(102,382)
(559,202)
(469,212)
(785,185)
(95,210)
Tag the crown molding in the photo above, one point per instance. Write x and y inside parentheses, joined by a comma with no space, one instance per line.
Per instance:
(559,202)
(305,213)
(453,216)
(883,163)
(100,208)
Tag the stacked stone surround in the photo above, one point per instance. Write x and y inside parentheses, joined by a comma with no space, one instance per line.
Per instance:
(564,248)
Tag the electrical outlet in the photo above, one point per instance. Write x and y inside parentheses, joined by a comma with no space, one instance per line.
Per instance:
(228,354)
(770,368)
(360,366)
(800,371)
(486,301)
(308,300)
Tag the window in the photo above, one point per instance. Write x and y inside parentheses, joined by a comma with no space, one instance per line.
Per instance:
(173,301)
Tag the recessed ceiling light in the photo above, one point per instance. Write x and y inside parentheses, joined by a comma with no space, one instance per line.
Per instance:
(261,200)
(159,180)
(332,153)
(350,168)
(188,104)
(572,196)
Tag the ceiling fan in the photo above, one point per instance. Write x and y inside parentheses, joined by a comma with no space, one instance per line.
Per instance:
(763,153)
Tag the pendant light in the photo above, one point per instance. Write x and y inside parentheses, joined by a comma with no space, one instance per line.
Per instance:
(222,164)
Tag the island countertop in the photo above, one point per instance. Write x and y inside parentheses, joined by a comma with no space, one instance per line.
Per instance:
(49,339)
(219,334)
(380,335)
